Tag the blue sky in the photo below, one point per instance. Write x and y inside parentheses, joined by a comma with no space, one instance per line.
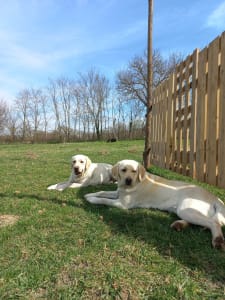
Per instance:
(42,39)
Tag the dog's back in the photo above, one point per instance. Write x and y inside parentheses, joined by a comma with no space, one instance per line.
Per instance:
(100,173)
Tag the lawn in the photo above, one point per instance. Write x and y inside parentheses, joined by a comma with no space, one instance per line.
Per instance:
(62,247)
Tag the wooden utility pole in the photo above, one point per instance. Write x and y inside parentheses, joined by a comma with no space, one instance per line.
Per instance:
(146,153)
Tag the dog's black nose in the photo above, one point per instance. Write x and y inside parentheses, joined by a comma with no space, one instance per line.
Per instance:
(76,170)
(128,181)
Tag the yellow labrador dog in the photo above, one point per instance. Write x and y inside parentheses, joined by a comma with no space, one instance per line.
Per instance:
(85,173)
(137,188)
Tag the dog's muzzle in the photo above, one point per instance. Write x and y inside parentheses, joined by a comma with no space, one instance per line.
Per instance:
(77,171)
(128,181)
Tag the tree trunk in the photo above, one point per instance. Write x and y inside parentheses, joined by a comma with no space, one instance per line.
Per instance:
(146,153)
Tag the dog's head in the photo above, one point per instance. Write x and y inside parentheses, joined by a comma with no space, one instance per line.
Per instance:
(80,164)
(128,173)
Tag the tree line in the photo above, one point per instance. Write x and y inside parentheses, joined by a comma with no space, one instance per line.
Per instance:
(89,107)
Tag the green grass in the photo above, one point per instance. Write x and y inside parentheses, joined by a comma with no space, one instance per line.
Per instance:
(65,248)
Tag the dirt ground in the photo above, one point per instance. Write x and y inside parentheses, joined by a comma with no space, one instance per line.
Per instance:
(6,220)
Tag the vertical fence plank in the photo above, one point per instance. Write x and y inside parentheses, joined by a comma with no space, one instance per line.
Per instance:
(221,144)
(174,163)
(193,94)
(163,124)
(153,125)
(169,121)
(184,109)
(211,133)
(178,128)
(157,128)
(201,115)
(160,124)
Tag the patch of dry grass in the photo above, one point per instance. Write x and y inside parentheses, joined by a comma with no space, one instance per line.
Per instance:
(7,220)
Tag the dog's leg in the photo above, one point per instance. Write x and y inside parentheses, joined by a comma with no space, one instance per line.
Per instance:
(179,225)
(104,194)
(217,234)
(195,217)
(52,187)
(59,186)
(74,185)
(106,198)
(106,201)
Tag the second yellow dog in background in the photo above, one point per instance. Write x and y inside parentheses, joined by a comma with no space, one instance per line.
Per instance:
(84,172)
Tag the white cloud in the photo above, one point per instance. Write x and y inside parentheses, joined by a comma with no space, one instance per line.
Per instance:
(119,38)
(42,38)
(135,29)
(25,52)
(6,96)
(9,87)
(217,17)
(18,56)
(26,58)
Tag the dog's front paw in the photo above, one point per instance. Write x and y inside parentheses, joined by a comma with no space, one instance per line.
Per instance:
(52,187)
(56,187)
(89,198)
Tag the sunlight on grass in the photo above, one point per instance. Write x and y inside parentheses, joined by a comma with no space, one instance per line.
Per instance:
(62,247)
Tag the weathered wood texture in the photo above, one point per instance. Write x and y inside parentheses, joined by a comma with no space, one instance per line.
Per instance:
(188,117)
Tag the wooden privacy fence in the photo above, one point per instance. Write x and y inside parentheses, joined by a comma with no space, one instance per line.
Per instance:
(188,117)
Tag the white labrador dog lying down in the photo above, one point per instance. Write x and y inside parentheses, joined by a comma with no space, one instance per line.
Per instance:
(137,188)
(85,173)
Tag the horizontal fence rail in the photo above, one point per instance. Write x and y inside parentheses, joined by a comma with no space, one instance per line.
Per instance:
(188,117)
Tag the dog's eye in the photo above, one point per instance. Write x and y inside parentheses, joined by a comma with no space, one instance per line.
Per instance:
(134,171)
(124,170)
(74,161)
(81,161)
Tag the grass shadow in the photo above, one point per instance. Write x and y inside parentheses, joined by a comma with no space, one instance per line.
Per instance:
(191,247)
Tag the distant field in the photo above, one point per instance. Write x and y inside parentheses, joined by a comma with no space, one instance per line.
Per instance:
(62,247)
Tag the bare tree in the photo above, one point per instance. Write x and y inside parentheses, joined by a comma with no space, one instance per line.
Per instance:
(94,90)
(4,112)
(22,107)
(80,115)
(35,111)
(45,112)
(61,93)
(132,83)
(12,124)
(53,96)
(65,99)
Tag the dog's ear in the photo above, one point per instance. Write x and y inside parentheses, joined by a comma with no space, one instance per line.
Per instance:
(71,161)
(115,171)
(88,163)
(141,172)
